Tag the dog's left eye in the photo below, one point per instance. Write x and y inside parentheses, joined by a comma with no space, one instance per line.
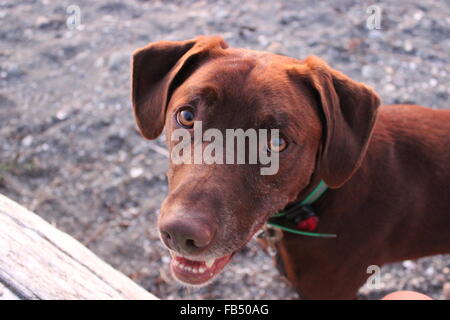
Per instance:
(185,118)
(277,144)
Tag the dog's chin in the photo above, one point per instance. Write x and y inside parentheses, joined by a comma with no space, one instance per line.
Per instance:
(196,272)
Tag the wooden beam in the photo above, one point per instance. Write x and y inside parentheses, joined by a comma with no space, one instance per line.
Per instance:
(6,294)
(37,261)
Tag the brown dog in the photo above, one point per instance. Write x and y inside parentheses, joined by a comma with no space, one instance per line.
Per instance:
(387,168)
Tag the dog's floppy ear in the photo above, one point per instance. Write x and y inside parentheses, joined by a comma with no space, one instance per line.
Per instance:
(157,70)
(349,110)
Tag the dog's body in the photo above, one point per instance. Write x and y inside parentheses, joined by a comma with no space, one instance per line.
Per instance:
(387,168)
(395,207)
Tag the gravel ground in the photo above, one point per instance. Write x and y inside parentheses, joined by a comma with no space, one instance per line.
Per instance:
(70,152)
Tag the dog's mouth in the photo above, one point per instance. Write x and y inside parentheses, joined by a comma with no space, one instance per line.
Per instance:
(201,272)
(196,272)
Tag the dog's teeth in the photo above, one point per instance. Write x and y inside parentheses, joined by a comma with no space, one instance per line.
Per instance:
(209,263)
(201,270)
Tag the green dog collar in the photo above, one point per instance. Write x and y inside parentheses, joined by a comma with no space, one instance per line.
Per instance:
(318,191)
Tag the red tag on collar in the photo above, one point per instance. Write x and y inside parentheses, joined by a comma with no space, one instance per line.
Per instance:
(308,224)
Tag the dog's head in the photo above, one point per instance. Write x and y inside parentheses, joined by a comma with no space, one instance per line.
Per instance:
(324,120)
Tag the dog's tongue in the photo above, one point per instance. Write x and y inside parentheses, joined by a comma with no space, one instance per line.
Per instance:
(197,272)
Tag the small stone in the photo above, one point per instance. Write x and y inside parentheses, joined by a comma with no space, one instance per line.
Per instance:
(412,66)
(118,59)
(125,223)
(222,14)
(390,87)
(389,69)
(433,82)
(367,71)
(375,34)
(45,23)
(408,46)
(130,213)
(429,271)
(408,264)
(99,62)
(165,259)
(14,71)
(136,172)
(61,115)
(27,141)
(42,21)
(263,41)
(418,15)
(28,33)
(275,47)
(113,144)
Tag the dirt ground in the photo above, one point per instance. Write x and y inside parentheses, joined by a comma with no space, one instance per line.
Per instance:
(70,152)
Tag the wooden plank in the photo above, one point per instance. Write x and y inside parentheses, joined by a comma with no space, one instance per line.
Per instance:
(37,261)
(6,294)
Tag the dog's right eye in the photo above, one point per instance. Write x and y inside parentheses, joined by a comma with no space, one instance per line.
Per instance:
(277,144)
(185,118)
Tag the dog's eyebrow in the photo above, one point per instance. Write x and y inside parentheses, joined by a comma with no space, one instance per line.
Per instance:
(283,122)
(208,93)
(275,120)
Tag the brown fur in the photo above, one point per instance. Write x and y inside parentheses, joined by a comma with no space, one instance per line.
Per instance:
(388,167)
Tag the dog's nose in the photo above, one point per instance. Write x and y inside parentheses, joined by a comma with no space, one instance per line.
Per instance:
(186,236)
